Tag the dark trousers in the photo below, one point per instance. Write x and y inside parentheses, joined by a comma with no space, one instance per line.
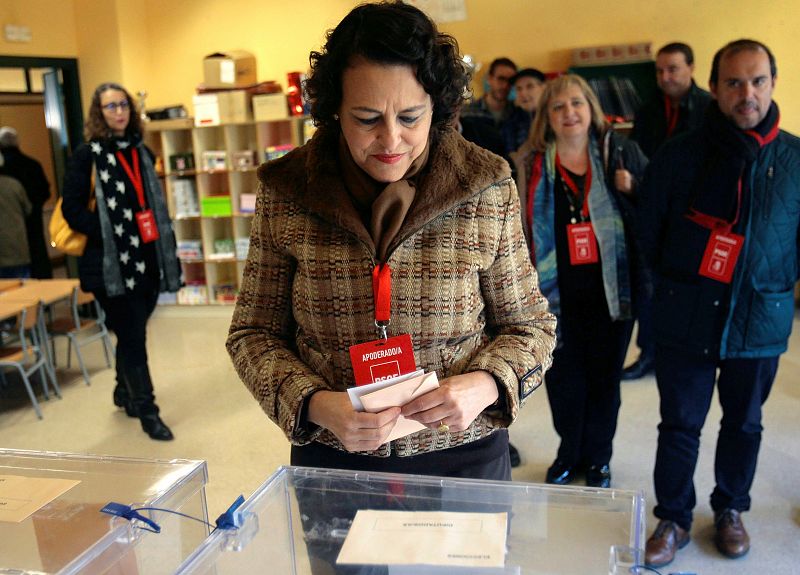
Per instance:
(645,340)
(127,317)
(583,386)
(686,385)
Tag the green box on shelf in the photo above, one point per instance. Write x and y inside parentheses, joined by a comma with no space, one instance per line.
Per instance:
(216,206)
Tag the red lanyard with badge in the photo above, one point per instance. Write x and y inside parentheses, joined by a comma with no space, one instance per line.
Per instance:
(723,247)
(386,356)
(144,218)
(580,235)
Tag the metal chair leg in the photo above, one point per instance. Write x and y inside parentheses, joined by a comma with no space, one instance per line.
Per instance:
(29,389)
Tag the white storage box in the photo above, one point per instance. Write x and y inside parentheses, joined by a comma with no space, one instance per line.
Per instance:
(227,107)
(70,535)
(269,107)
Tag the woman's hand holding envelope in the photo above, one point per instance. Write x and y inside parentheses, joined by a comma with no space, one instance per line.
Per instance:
(358,431)
(456,402)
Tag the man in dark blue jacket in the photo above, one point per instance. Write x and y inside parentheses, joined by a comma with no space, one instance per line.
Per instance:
(720,211)
(677,107)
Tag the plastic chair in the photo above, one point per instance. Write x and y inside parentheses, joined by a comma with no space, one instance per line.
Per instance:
(82,331)
(26,353)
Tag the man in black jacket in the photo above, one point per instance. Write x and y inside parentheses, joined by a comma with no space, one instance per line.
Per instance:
(30,174)
(677,107)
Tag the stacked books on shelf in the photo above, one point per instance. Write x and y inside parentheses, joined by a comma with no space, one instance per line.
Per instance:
(273,152)
(223,249)
(242,247)
(190,250)
(193,293)
(225,293)
(185,196)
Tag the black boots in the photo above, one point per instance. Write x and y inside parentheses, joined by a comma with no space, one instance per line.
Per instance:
(121,396)
(136,396)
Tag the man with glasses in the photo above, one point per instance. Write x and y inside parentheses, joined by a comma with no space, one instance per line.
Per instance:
(494,106)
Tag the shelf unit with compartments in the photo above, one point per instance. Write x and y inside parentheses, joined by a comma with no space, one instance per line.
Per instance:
(209,177)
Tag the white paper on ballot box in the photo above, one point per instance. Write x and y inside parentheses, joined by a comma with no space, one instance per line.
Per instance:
(472,542)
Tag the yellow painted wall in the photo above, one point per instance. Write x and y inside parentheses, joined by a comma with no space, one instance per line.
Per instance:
(279,33)
(98,38)
(158,45)
(52,24)
(543,34)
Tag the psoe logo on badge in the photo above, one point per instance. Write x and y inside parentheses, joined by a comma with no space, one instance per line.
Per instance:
(381,371)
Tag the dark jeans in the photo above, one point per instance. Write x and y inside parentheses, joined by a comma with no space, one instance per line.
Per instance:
(583,386)
(127,317)
(645,340)
(686,385)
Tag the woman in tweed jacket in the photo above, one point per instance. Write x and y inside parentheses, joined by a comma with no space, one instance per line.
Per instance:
(386,180)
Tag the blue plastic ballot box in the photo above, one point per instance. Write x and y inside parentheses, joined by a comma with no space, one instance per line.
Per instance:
(302,520)
(50,519)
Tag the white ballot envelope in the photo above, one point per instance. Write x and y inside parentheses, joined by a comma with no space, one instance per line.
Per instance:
(355,393)
(397,395)
(432,538)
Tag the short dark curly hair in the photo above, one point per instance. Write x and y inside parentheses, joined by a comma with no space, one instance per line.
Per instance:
(388,33)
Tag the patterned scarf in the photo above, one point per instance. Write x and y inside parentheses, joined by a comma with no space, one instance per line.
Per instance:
(125,256)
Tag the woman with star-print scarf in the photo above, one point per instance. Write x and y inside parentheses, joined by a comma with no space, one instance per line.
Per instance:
(130,254)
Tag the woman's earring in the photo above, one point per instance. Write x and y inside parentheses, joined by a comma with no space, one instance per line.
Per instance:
(336,117)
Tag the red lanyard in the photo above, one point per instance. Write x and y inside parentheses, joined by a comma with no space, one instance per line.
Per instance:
(135,175)
(671,114)
(715,223)
(382,293)
(570,183)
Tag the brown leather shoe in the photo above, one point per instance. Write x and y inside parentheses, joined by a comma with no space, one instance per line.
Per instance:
(664,543)
(731,538)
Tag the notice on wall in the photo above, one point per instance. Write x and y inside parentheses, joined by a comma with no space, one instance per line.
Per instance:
(442,538)
(22,496)
(443,10)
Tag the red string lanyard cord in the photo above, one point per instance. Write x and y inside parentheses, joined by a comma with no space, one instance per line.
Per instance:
(570,183)
(671,114)
(382,293)
(715,223)
(135,174)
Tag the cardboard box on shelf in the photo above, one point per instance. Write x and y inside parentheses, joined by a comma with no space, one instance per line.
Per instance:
(229,69)
(224,107)
(269,107)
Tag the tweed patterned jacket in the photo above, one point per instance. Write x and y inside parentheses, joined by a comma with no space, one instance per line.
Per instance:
(462,286)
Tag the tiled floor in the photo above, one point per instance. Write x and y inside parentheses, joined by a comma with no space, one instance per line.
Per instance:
(214,418)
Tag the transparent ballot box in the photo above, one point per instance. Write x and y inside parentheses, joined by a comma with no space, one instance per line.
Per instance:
(50,518)
(300,520)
